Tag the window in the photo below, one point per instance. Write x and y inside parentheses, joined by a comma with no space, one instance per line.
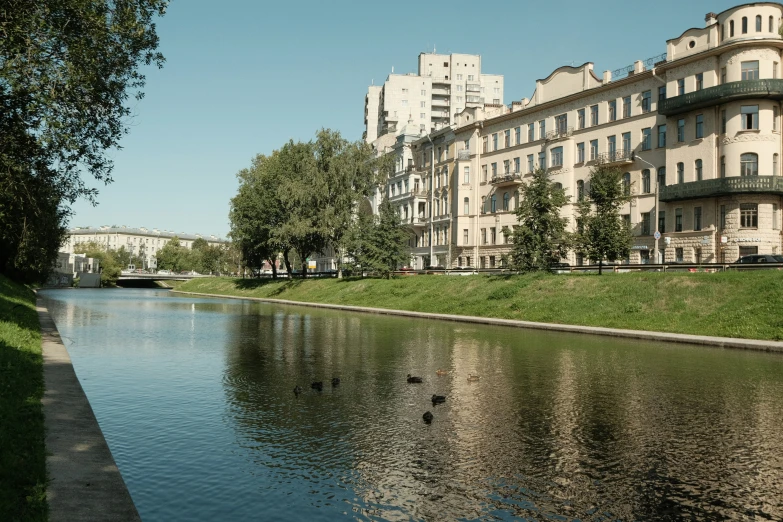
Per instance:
(580,152)
(661,93)
(466,207)
(699,126)
(744,25)
(645,223)
(611,146)
(698,167)
(646,138)
(646,181)
(678,255)
(750,70)
(459,88)
(678,220)
(493,202)
(494,170)
(680,86)
(561,124)
(627,142)
(465,235)
(758,23)
(723,122)
(646,101)
(557,157)
(627,183)
(723,166)
(681,130)
(699,81)
(750,117)
(507,138)
(749,164)
(775,118)
(541,129)
(484,143)
(612,110)
(516,165)
(627,107)
(580,190)
(542,160)
(731,28)
(531,131)
(723,216)
(466,175)
(492,258)
(459,77)
(749,215)
(662,221)
(661,135)
(593,149)
(506,199)
(484,173)
(580,117)
(492,237)
(530,163)
(697,218)
(495,141)
(518,135)
(594,115)
(483,237)
(506,167)
(775,164)
(723,75)
(681,172)
(771,24)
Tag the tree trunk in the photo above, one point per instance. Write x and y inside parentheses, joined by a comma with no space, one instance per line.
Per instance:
(304,269)
(339,264)
(288,269)
(600,266)
(274,268)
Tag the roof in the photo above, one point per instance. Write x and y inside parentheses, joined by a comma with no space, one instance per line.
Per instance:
(143,232)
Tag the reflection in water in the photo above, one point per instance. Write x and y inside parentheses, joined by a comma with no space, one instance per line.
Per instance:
(195,398)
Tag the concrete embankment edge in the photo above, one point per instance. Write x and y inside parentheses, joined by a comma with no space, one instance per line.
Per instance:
(703,340)
(84,481)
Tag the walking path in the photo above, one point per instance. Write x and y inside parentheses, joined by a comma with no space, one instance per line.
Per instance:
(704,340)
(84,482)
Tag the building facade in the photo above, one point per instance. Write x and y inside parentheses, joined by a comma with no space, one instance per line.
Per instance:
(140,242)
(444,85)
(696,132)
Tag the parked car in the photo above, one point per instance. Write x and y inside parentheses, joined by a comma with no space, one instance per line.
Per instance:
(759,258)
(164,272)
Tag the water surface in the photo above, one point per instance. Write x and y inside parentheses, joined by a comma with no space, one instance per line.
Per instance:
(195,399)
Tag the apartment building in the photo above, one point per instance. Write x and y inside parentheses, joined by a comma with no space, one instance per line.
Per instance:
(698,125)
(141,242)
(444,85)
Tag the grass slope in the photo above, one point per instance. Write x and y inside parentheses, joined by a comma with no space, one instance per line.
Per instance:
(22,450)
(732,304)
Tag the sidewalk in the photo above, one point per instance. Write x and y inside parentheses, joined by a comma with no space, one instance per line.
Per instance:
(84,482)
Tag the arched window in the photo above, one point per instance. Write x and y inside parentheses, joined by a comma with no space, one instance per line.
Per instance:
(580,190)
(722,32)
(749,164)
(466,206)
(771,24)
(559,186)
(662,176)
(775,164)
(446,204)
(731,28)
(758,23)
(646,181)
(506,199)
(494,203)
(627,183)
(698,169)
(681,173)
(744,25)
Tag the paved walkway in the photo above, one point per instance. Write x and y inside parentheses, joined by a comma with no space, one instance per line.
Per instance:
(84,482)
(704,340)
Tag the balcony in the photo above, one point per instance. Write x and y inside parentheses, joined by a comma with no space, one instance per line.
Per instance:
(418,221)
(512,178)
(440,114)
(473,87)
(722,187)
(617,157)
(441,91)
(419,193)
(463,154)
(440,102)
(559,134)
(474,99)
(727,92)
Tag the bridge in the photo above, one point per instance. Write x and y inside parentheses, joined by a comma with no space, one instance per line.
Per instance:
(158,277)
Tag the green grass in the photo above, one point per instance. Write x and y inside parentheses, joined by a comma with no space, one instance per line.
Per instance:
(732,304)
(22,449)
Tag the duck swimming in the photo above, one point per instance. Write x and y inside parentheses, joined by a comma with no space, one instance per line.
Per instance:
(413,379)
(317,385)
(472,377)
(438,399)
(427,417)
(441,372)
(297,389)
(335,381)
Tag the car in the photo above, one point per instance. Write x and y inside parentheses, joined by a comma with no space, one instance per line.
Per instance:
(759,258)
(164,272)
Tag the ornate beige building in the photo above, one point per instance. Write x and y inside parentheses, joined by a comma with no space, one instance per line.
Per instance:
(699,126)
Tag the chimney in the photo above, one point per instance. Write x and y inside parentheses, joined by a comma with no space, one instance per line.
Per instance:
(710,19)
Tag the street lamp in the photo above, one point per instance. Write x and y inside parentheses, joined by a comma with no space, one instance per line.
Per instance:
(657,235)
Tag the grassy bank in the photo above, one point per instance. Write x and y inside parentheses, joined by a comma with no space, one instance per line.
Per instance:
(22,450)
(733,304)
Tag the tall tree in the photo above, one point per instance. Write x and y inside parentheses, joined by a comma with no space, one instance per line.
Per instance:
(540,238)
(387,248)
(602,233)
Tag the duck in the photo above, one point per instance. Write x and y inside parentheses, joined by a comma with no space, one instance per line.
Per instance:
(438,399)
(335,381)
(427,417)
(297,389)
(441,372)
(413,379)
(317,385)
(472,377)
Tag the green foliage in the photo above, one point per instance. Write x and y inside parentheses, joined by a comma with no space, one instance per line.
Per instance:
(111,261)
(379,243)
(173,256)
(540,238)
(602,234)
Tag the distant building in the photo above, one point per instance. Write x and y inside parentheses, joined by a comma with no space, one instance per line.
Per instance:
(70,266)
(141,242)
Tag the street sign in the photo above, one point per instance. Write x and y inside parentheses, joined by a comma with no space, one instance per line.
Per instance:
(657,235)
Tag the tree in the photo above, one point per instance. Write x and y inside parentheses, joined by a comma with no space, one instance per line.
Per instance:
(173,256)
(110,260)
(387,246)
(602,234)
(540,238)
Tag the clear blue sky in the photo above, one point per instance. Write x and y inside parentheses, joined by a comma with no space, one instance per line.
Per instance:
(244,76)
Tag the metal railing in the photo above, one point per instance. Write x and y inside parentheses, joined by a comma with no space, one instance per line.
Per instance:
(463,154)
(511,177)
(721,187)
(617,156)
(559,133)
(474,99)
(623,72)
(473,87)
(722,94)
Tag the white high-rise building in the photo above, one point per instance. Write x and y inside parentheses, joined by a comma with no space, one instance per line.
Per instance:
(430,100)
